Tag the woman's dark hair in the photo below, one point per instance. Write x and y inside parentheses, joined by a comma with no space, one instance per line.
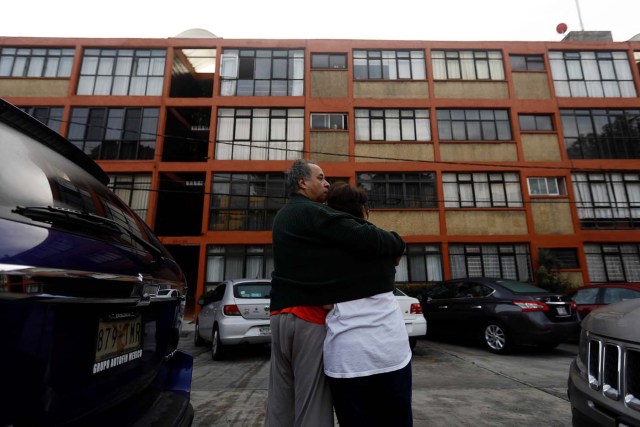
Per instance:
(347,198)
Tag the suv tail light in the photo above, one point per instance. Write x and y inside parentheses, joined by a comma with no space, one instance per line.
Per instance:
(415,309)
(531,305)
(231,310)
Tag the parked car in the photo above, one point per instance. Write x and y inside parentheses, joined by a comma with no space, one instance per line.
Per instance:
(168,293)
(594,296)
(83,343)
(603,385)
(413,319)
(501,313)
(235,312)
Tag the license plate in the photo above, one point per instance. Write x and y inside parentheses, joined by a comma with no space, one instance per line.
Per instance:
(117,337)
(265,330)
(561,311)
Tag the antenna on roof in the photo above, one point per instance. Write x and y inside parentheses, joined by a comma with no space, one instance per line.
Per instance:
(579,15)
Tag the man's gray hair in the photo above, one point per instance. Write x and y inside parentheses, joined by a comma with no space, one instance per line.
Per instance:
(299,170)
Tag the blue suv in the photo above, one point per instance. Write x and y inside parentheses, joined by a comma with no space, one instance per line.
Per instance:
(84,341)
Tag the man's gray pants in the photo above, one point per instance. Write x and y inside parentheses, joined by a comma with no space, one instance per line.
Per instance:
(299,393)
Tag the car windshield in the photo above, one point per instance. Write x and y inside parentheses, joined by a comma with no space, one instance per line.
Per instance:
(521,287)
(252,290)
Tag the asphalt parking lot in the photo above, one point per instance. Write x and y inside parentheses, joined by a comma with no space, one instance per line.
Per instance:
(452,385)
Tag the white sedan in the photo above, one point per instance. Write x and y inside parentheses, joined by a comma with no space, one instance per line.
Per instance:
(413,318)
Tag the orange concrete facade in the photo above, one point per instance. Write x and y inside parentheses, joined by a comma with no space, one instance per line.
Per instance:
(535,221)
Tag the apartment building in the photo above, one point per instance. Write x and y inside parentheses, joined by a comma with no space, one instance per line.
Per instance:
(480,154)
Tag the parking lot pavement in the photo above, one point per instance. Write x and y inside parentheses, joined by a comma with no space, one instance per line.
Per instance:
(452,385)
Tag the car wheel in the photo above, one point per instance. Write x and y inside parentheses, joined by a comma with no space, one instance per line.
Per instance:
(217,348)
(412,342)
(197,339)
(496,338)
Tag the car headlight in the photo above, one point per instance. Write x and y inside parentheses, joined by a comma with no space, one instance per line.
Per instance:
(583,351)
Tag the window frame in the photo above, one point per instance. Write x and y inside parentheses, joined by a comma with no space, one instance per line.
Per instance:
(243,133)
(585,133)
(609,200)
(613,262)
(559,185)
(451,64)
(539,122)
(421,262)
(529,62)
(252,200)
(332,121)
(485,123)
(50,116)
(369,64)
(115,129)
(424,182)
(330,56)
(405,121)
(36,62)
(470,190)
(134,189)
(471,257)
(219,256)
(122,72)
(583,74)
(259,72)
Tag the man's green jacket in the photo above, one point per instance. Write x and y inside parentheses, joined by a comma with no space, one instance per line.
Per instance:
(323,256)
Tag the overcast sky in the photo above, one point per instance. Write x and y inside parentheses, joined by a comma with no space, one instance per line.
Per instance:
(484,20)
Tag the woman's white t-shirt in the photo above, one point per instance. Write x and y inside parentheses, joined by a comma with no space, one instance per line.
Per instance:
(365,337)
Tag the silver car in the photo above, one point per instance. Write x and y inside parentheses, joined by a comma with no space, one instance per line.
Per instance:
(234,312)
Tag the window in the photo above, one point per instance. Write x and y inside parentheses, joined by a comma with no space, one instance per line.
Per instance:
(115,133)
(50,116)
(399,190)
(607,200)
(134,189)
(561,257)
(505,261)
(262,72)
(482,190)
(473,125)
(547,186)
(586,295)
(245,201)
(614,295)
(420,263)
(389,65)
(592,74)
(613,262)
(235,261)
(601,134)
(328,60)
(260,134)
(392,125)
(131,72)
(35,62)
(329,121)
(535,122)
(526,62)
(467,65)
